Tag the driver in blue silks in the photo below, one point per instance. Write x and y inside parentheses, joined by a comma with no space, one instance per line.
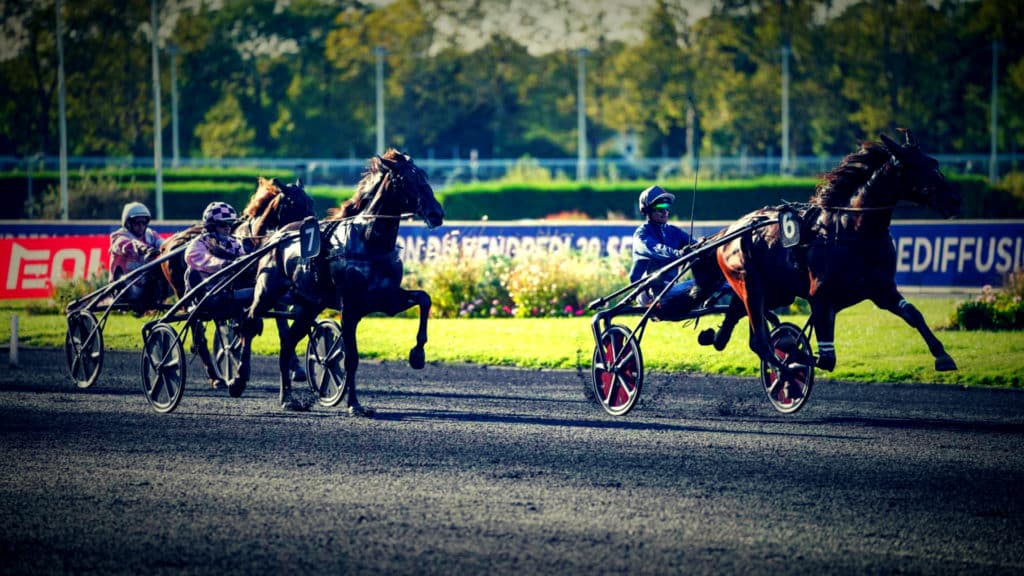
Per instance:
(657,243)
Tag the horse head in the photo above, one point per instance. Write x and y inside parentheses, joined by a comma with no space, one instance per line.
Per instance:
(413,193)
(921,180)
(276,204)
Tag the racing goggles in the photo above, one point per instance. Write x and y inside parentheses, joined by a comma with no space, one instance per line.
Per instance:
(661,206)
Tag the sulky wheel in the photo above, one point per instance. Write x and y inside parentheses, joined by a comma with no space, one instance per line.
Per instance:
(163,368)
(325,363)
(788,392)
(227,349)
(618,370)
(83,348)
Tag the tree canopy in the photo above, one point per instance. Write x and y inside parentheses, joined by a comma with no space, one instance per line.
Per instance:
(297,78)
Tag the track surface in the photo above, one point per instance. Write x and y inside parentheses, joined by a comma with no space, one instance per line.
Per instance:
(469,471)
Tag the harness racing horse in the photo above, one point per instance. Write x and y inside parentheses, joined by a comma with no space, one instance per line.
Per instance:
(845,255)
(358,272)
(273,205)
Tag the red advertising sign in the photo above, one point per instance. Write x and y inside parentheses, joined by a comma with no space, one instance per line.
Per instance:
(31,266)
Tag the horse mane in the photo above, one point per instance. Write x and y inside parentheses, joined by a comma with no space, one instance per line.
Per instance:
(266,191)
(364,188)
(843,181)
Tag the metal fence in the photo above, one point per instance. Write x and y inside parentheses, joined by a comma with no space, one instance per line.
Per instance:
(447,171)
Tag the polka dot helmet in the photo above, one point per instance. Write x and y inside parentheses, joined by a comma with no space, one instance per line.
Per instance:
(219,213)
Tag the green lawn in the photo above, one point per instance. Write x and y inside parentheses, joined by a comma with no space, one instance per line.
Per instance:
(872,345)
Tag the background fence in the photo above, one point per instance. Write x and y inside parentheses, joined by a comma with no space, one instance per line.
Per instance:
(447,171)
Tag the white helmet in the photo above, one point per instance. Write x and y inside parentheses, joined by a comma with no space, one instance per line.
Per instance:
(134,210)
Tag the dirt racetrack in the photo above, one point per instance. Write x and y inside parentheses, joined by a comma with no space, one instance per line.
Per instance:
(468,470)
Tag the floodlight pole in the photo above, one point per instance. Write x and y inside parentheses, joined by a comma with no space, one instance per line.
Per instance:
(62,113)
(379,53)
(157,145)
(993,169)
(175,155)
(581,114)
(784,164)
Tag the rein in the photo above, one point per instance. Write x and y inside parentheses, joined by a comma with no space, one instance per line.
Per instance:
(853,209)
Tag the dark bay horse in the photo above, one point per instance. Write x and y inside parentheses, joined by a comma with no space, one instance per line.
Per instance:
(357,271)
(846,254)
(273,205)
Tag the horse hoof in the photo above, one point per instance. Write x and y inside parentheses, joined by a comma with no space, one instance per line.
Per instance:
(826,362)
(236,387)
(291,404)
(417,358)
(357,411)
(217,383)
(945,363)
(706,337)
(298,374)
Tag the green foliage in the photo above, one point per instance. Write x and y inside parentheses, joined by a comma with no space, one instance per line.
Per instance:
(993,309)
(67,291)
(225,132)
(90,196)
(529,285)
(465,287)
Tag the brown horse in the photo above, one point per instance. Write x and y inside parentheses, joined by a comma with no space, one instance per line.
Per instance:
(357,271)
(845,255)
(273,205)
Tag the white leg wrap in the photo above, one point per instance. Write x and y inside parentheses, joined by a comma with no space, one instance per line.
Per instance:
(826,347)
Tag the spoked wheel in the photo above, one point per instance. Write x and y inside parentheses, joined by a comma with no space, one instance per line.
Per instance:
(163,368)
(227,349)
(618,370)
(83,348)
(788,392)
(325,363)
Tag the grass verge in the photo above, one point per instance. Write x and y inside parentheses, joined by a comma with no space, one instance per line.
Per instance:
(872,345)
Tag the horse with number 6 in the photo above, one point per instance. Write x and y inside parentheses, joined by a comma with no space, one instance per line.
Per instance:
(357,270)
(845,255)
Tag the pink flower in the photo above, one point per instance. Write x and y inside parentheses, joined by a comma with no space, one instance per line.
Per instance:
(568,309)
(580,312)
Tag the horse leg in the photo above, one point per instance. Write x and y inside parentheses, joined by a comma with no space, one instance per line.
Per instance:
(286,355)
(297,372)
(200,346)
(349,321)
(721,337)
(823,316)
(894,302)
(407,299)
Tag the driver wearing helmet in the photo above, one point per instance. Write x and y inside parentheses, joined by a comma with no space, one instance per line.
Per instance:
(215,248)
(656,243)
(131,246)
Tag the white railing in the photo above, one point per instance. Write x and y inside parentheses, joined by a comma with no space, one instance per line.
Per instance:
(447,171)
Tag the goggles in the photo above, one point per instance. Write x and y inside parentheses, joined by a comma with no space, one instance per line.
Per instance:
(139,220)
(661,206)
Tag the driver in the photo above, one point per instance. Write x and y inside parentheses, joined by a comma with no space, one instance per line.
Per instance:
(656,243)
(131,246)
(215,248)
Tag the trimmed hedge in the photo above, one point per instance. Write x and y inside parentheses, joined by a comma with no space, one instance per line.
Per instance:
(187,192)
(716,200)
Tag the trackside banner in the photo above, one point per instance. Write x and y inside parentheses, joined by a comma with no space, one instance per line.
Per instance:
(930,254)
